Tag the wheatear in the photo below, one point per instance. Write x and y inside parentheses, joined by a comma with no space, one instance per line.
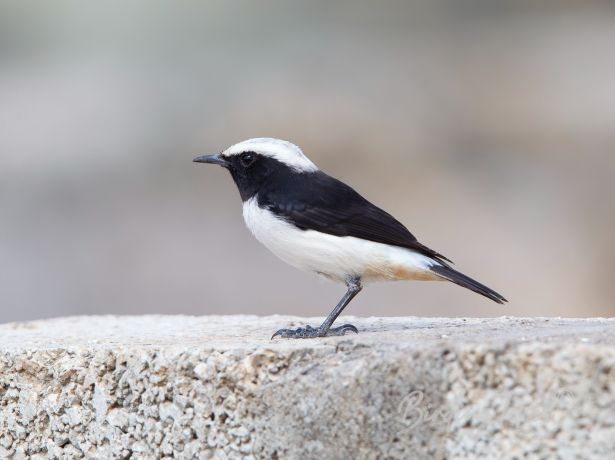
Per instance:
(317,223)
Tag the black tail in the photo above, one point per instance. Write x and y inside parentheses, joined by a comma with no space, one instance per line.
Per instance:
(466,282)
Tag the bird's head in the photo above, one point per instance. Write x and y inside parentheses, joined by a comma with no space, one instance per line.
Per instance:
(253,162)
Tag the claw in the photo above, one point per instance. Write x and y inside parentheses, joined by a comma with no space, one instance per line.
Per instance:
(282,333)
(347,328)
(277,333)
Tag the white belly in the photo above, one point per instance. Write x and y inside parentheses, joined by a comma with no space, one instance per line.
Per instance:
(337,258)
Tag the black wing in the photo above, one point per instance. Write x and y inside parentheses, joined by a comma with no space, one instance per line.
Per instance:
(319,202)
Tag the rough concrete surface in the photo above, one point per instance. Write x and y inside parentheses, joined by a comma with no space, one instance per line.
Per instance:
(218,387)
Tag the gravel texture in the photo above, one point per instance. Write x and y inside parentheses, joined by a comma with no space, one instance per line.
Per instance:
(218,387)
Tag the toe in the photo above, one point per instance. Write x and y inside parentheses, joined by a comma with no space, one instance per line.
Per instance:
(306,332)
(349,328)
(281,333)
(342,330)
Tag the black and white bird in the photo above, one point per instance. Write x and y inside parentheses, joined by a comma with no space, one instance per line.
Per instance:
(318,224)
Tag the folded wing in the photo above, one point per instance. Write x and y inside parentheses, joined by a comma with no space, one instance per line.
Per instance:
(322,203)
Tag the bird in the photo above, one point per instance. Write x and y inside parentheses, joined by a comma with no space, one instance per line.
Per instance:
(317,223)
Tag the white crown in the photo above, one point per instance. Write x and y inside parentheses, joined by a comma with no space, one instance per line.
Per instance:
(283,151)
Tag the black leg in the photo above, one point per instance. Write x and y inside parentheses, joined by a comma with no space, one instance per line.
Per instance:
(354,287)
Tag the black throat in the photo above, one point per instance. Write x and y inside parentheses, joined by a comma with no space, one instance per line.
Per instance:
(265,174)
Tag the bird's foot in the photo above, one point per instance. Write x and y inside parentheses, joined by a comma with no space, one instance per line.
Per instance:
(309,332)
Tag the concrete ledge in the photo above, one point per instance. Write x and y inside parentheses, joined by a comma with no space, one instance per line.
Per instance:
(217,387)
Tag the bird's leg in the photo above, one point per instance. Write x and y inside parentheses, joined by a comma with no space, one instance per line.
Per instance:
(354,287)
(325,330)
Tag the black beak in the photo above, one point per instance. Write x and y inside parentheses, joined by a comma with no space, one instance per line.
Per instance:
(213,159)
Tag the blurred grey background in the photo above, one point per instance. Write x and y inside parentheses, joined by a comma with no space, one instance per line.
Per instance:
(488,128)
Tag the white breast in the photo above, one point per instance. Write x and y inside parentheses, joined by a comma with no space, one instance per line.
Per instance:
(337,258)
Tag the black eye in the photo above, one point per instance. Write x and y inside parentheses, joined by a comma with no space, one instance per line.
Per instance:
(247,159)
